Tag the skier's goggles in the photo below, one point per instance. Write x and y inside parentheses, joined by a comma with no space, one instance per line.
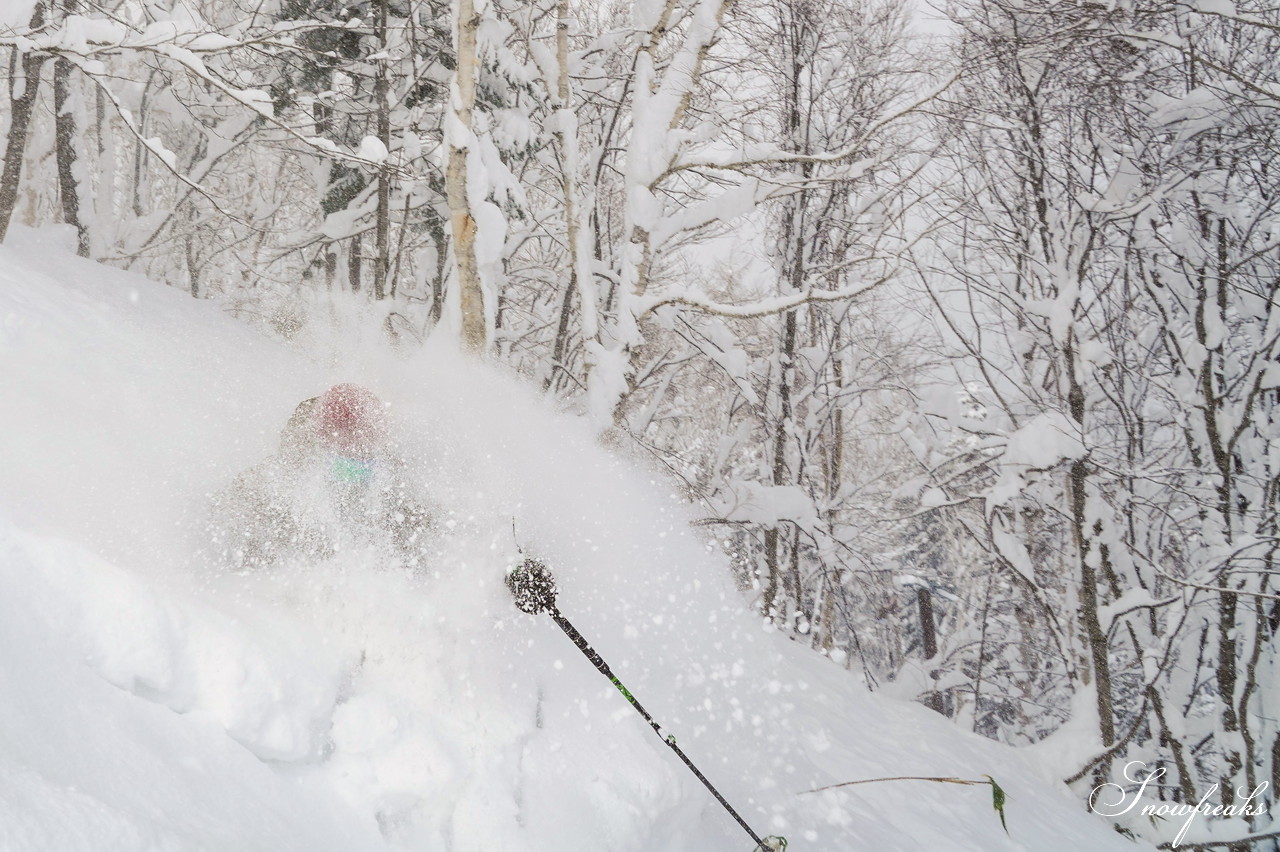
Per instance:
(354,471)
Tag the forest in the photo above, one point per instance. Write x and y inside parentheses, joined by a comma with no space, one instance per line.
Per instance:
(957,323)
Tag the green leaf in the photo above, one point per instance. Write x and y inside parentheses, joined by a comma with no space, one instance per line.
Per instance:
(997,801)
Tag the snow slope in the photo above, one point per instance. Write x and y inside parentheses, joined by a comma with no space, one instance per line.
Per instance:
(150,701)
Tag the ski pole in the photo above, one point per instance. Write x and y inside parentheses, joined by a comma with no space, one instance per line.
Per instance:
(534,590)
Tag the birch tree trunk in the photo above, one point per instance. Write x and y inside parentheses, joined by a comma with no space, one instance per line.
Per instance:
(461,138)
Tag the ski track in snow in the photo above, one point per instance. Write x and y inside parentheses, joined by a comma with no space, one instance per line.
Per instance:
(155,702)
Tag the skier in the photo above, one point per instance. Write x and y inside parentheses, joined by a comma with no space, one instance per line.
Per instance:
(335,480)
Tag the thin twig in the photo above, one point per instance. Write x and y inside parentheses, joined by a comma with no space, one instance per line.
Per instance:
(964,781)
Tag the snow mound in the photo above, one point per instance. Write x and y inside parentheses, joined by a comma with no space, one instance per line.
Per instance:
(155,701)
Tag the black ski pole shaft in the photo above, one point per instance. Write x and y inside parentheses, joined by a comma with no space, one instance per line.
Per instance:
(603,668)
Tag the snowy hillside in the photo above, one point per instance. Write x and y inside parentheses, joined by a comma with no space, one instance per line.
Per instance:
(153,702)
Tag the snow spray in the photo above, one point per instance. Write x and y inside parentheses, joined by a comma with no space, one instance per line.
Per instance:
(534,590)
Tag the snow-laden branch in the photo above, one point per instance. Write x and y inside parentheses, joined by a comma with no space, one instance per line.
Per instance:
(1266,89)
(647,304)
(771,155)
(1219,10)
(82,40)
(1217,590)
(152,144)
(237,141)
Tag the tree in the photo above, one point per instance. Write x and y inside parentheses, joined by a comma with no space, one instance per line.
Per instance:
(474,325)
(1091,282)
(24,87)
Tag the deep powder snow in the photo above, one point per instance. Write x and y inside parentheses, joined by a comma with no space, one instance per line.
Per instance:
(153,700)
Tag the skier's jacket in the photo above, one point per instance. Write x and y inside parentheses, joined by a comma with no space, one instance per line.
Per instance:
(335,481)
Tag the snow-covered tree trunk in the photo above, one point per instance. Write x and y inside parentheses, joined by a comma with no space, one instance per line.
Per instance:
(797,48)
(382,107)
(578,228)
(66,139)
(666,70)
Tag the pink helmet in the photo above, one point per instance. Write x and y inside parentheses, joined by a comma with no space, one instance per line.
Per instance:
(351,421)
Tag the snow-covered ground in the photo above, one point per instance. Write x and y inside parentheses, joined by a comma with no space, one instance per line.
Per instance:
(150,701)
